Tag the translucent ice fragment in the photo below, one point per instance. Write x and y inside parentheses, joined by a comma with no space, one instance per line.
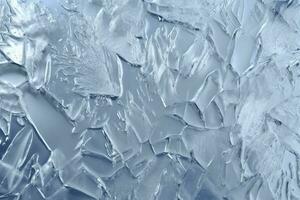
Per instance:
(138,120)
(191,182)
(99,74)
(10,178)
(13,74)
(10,98)
(189,112)
(38,61)
(101,166)
(208,191)
(5,120)
(252,16)
(190,59)
(87,112)
(256,155)
(166,127)
(177,59)
(35,24)
(212,116)
(140,161)
(163,55)
(201,143)
(252,188)
(120,185)
(31,193)
(288,138)
(207,93)
(192,13)
(126,144)
(176,146)
(95,142)
(34,105)
(285,48)
(168,187)
(288,113)
(86,183)
(245,52)
(289,16)
(149,182)
(120,31)
(220,38)
(69,193)
(12,48)
(17,152)
(51,183)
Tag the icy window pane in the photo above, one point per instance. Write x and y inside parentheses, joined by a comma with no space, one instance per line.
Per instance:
(149,99)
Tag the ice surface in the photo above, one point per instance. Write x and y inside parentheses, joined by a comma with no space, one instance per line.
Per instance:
(149,99)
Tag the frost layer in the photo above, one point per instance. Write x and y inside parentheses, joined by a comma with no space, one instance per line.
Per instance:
(149,99)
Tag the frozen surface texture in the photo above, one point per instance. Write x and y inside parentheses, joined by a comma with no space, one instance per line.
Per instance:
(149,99)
